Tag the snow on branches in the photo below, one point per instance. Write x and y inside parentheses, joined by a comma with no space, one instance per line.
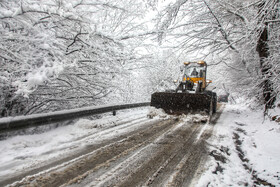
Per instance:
(227,34)
(57,51)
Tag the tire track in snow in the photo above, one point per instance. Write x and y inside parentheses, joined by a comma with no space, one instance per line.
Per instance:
(156,153)
(67,171)
(130,126)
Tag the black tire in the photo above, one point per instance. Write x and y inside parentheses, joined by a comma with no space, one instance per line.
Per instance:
(214,99)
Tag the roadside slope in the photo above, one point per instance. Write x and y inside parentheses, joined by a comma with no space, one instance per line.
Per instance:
(244,150)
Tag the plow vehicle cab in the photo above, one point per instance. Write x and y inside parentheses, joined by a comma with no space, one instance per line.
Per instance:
(194,77)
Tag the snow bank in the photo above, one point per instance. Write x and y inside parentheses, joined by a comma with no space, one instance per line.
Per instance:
(245,150)
(193,118)
(157,112)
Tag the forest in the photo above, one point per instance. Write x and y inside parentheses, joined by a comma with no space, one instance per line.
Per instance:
(59,54)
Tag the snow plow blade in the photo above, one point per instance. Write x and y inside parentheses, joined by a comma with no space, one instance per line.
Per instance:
(179,103)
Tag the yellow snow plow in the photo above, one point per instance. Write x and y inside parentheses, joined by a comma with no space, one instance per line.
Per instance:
(190,95)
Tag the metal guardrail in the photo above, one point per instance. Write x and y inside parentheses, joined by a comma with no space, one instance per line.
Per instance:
(20,122)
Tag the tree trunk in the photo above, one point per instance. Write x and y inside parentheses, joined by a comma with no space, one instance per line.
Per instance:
(267,85)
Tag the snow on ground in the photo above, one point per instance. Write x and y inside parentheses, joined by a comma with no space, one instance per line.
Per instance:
(193,118)
(29,151)
(244,151)
(154,112)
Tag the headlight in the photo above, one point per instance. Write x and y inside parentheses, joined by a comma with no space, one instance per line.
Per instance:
(201,62)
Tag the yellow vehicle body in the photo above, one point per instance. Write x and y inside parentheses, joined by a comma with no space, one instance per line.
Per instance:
(194,79)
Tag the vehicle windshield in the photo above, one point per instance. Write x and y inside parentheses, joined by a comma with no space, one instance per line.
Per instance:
(194,70)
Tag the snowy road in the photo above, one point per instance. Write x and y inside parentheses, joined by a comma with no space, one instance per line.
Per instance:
(129,149)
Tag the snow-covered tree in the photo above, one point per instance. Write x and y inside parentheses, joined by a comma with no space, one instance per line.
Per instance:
(60,54)
(228,34)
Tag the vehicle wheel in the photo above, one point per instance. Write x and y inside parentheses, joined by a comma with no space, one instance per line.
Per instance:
(213,96)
